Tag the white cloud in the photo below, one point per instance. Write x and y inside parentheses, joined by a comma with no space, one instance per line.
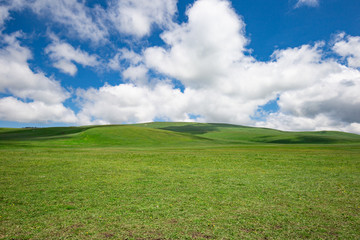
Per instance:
(141,103)
(38,93)
(4,14)
(131,66)
(12,109)
(331,103)
(349,48)
(18,79)
(136,74)
(80,21)
(6,7)
(335,96)
(124,55)
(132,17)
(228,86)
(204,48)
(130,103)
(63,55)
(136,17)
(310,3)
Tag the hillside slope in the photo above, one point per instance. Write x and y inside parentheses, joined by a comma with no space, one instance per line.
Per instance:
(241,134)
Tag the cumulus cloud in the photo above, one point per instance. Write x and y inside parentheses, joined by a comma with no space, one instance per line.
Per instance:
(124,57)
(4,14)
(136,74)
(131,67)
(229,85)
(310,3)
(18,79)
(9,5)
(201,50)
(32,92)
(331,103)
(349,48)
(81,22)
(12,109)
(6,7)
(335,96)
(137,17)
(131,17)
(130,103)
(64,55)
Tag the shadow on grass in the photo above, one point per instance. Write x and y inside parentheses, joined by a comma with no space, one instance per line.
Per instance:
(200,128)
(32,134)
(302,139)
(192,129)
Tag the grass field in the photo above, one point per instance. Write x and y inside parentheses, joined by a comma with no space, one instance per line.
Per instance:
(178,181)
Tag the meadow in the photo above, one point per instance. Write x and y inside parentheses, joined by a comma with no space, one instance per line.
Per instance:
(178,181)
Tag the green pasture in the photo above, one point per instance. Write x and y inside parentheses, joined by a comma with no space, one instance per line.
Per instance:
(178,181)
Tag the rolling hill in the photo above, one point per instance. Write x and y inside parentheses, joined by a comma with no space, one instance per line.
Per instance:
(167,134)
(166,180)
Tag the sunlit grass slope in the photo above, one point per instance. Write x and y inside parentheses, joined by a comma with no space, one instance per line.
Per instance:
(128,135)
(121,135)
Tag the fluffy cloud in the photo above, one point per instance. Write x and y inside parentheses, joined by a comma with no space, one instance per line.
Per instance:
(137,17)
(136,74)
(310,3)
(18,79)
(331,103)
(131,67)
(81,21)
(201,50)
(39,94)
(131,17)
(141,103)
(63,55)
(12,109)
(4,14)
(229,86)
(348,47)
(335,96)
(130,103)
(6,7)
(124,57)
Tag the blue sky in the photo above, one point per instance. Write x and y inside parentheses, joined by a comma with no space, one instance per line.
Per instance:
(291,65)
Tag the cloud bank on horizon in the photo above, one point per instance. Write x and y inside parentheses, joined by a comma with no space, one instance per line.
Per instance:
(151,63)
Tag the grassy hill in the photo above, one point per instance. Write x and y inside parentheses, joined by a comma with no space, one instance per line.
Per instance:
(242,134)
(165,134)
(178,181)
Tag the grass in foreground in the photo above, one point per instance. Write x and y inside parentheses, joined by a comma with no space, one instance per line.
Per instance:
(94,185)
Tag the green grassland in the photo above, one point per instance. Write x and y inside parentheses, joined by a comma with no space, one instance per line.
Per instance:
(178,181)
